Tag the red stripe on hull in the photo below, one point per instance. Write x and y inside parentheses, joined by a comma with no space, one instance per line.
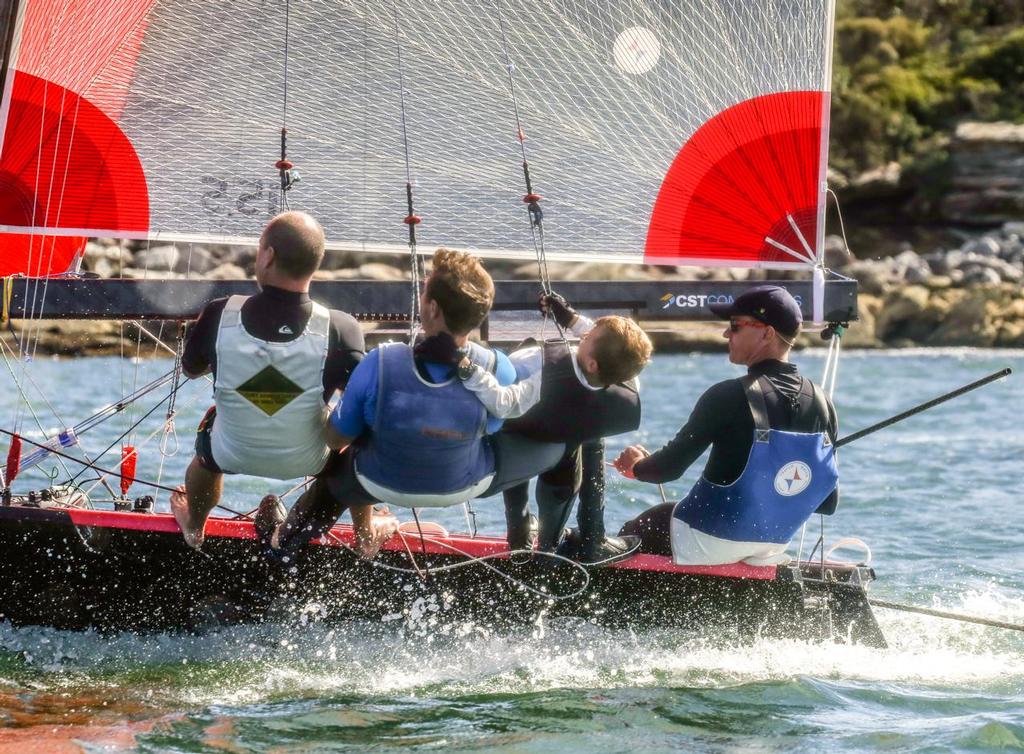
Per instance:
(457,545)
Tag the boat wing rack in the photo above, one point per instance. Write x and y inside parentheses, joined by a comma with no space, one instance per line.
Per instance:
(388,301)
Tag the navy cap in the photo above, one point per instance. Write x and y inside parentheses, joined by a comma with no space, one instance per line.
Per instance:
(766,303)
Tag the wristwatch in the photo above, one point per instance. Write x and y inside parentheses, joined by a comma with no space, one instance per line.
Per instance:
(466,368)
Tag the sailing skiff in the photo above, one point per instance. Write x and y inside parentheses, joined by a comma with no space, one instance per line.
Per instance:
(683,132)
(127,570)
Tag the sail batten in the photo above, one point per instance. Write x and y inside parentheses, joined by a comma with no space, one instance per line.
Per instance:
(672,132)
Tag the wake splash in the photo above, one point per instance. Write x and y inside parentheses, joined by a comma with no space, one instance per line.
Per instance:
(421,656)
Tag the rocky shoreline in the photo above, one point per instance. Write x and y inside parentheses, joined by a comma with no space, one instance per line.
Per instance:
(972,295)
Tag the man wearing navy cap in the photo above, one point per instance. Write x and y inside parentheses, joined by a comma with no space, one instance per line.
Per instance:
(772,463)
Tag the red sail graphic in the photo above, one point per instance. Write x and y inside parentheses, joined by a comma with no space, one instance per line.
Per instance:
(737,182)
(65,161)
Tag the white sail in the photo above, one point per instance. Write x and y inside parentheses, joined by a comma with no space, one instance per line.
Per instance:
(610,95)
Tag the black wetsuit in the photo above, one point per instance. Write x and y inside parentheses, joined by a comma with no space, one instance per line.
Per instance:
(722,419)
(277,315)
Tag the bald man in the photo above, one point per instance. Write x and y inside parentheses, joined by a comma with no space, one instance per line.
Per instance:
(277,358)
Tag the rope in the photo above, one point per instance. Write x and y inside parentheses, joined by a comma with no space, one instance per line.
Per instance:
(947,615)
(472,560)
(842,227)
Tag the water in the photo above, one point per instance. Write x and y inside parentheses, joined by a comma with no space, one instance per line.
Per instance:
(937,498)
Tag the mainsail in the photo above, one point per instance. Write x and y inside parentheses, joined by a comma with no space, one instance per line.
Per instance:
(658,131)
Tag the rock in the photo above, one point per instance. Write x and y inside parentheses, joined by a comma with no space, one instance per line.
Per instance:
(226,271)
(979,275)
(103,267)
(75,337)
(241,256)
(106,259)
(194,260)
(157,258)
(863,332)
(339,260)
(963,327)
(905,315)
(886,176)
(873,277)
(937,261)
(606,271)
(986,246)
(1013,228)
(990,133)
(987,181)
(151,274)
(837,255)
(378,271)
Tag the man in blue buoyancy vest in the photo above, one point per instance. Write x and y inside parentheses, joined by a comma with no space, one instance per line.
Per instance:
(772,462)
(277,358)
(414,435)
(578,395)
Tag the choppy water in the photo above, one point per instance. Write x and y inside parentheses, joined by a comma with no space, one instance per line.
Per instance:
(938,498)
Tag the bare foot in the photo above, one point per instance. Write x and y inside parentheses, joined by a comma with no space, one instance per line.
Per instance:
(183,515)
(384,527)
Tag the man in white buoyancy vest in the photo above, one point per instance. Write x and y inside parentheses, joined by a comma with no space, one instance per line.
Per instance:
(414,436)
(772,461)
(579,395)
(277,358)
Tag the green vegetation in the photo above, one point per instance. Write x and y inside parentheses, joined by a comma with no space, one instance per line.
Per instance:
(905,72)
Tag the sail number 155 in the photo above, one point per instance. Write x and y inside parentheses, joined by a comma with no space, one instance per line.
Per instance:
(233,197)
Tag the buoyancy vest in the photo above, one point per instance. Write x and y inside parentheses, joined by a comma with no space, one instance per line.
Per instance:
(787,476)
(568,411)
(427,438)
(271,416)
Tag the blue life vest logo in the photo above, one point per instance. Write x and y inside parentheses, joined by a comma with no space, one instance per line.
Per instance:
(793,478)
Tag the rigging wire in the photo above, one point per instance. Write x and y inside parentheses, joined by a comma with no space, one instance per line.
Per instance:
(131,429)
(411,218)
(168,425)
(285,167)
(532,199)
(111,472)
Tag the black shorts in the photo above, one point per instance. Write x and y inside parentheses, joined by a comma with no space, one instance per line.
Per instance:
(204,449)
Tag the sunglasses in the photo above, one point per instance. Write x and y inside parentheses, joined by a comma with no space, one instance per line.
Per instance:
(736,324)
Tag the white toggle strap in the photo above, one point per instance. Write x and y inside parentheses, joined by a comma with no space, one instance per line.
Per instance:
(853,543)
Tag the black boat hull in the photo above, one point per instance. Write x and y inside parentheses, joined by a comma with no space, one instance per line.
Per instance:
(114,571)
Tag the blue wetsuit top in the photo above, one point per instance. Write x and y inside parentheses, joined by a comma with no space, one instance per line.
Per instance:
(355,413)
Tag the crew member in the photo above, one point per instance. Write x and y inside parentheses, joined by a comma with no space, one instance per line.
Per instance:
(772,463)
(577,395)
(413,435)
(277,357)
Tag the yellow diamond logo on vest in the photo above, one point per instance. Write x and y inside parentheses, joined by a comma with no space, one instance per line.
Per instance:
(793,478)
(269,391)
